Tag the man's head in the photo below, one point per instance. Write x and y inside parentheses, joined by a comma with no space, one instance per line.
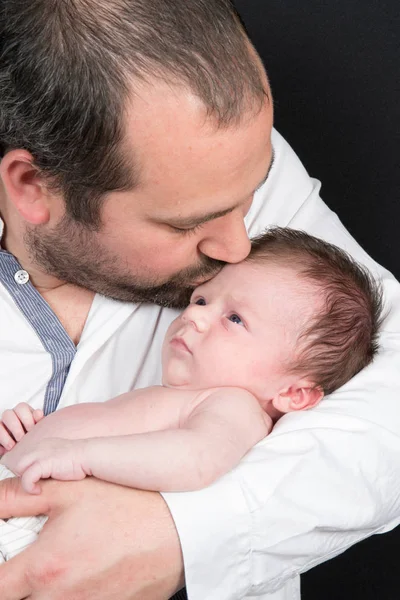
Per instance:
(294,321)
(122,124)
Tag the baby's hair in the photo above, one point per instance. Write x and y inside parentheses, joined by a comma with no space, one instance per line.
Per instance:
(342,337)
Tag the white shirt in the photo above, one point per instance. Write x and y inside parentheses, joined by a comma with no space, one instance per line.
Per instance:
(322,480)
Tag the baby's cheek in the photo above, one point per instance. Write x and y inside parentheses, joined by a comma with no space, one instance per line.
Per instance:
(266,379)
(252,366)
(223,368)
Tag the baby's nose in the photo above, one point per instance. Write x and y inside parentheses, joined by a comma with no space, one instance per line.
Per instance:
(196,316)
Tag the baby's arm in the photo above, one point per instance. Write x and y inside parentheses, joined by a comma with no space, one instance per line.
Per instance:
(216,435)
(132,412)
(15,423)
(141,410)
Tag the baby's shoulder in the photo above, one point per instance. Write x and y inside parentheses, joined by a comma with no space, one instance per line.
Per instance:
(167,397)
(224,398)
(234,407)
(230,394)
(162,392)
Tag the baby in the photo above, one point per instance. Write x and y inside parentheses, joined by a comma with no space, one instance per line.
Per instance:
(273,334)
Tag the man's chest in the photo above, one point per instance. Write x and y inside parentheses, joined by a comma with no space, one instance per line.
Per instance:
(71,306)
(119,350)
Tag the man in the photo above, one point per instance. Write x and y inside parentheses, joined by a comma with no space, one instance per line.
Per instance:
(136,136)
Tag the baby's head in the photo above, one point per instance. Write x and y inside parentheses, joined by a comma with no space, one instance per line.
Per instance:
(294,321)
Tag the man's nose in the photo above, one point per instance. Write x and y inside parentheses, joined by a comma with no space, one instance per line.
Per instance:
(226,238)
(197,316)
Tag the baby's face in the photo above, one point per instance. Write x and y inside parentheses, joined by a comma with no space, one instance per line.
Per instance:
(240,329)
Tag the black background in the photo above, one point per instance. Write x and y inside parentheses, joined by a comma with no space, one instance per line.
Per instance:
(334,68)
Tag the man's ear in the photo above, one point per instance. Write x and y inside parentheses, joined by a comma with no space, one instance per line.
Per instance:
(25,187)
(301,395)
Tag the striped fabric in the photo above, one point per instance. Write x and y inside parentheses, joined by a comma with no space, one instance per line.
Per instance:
(51,333)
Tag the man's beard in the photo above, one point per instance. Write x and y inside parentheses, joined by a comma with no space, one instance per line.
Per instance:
(72,253)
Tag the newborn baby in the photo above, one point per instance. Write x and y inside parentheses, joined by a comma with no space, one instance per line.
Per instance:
(273,334)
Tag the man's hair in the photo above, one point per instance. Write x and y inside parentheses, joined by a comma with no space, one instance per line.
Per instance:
(68,66)
(342,337)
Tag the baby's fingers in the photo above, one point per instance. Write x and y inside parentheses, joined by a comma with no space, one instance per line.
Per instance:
(30,477)
(6,441)
(2,450)
(26,415)
(13,424)
(38,415)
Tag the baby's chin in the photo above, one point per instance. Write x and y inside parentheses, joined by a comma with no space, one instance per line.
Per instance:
(175,373)
(180,374)
(175,379)
(178,383)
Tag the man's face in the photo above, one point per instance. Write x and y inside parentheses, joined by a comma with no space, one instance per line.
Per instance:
(186,217)
(240,329)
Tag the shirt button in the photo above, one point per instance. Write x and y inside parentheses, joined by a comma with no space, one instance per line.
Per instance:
(21,277)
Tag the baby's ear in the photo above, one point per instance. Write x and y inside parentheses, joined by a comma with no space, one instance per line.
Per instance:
(301,395)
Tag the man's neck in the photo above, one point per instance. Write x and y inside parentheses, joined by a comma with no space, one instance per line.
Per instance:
(70,303)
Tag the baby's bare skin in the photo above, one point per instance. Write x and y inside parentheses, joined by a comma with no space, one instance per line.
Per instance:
(154,438)
(225,377)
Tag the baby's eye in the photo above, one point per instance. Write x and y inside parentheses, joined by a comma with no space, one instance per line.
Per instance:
(234,318)
(200,302)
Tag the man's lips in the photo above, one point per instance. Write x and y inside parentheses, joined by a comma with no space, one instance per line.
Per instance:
(180,344)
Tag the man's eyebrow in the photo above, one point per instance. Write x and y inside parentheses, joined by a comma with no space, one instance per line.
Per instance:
(196,220)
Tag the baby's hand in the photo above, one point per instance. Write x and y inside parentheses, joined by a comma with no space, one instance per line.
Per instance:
(52,457)
(15,423)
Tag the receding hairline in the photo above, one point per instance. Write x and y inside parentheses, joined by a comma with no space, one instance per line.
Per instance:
(66,72)
(137,84)
(138,87)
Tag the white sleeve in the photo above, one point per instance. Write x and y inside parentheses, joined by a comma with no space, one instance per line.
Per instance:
(324,479)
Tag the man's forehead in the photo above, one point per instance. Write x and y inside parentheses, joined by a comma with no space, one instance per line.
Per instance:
(187,216)
(182,157)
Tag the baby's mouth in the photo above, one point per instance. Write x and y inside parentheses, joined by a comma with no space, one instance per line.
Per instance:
(180,344)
